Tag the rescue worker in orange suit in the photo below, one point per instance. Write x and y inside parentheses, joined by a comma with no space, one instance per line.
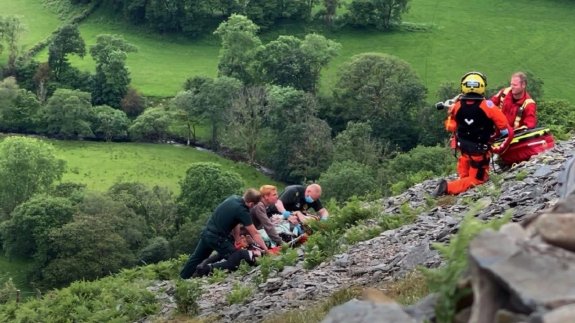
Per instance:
(516,104)
(474,122)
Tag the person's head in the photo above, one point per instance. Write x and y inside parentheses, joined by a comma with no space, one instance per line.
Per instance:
(269,194)
(313,193)
(518,84)
(251,197)
(473,82)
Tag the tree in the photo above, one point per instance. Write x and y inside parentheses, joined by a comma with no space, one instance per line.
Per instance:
(27,166)
(330,10)
(156,205)
(384,90)
(239,44)
(18,108)
(152,125)
(248,116)
(356,144)
(133,103)
(289,61)
(30,223)
(296,144)
(87,248)
(381,14)
(67,41)
(337,178)
(215,98)
(11,30)
(110,123)
(306,149)
(186,110)
(204,187)
(112,77)
(67,114)
(158,249)
(288,106)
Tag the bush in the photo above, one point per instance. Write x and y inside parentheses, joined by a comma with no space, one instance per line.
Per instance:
(416,165)
(444,280)
(239,294)
(158,249)
(337,178)
(559,116)
(187,294)
(205,186)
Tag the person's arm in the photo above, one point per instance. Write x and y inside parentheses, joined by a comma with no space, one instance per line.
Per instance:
(497,97)
(236,233)
(256,236)
(501,123)
(530,116)
(323,214)
(259,212)
(282,210)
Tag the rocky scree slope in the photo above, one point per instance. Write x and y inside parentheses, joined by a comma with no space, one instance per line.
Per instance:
(524,190)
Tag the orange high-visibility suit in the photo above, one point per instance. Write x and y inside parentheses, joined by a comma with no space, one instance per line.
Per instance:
(474,120)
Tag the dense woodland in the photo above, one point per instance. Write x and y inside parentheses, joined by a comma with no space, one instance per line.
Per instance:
(375,128)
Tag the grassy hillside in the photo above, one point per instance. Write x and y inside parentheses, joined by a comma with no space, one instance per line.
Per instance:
(39,22)
(496,37)
(99,164)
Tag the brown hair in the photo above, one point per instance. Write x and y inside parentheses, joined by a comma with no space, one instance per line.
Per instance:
(252,195)
(521,77)
(267,189)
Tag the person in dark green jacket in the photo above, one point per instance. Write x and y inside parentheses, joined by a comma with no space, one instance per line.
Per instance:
(223,229)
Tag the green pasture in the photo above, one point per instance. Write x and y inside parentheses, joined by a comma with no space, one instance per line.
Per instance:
(17,270)
(494,36)
(99,165)
(39,21)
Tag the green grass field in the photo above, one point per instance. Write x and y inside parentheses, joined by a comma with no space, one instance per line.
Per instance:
(15,269)
(496,37)
(99,165)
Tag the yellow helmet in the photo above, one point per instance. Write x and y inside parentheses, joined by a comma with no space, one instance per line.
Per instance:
(473,82)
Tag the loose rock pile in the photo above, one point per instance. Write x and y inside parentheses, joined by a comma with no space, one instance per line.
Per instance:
(526,190)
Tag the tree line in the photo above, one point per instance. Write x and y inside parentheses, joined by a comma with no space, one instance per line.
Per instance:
(197,17)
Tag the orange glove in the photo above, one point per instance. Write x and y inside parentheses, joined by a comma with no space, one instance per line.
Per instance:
(275,250)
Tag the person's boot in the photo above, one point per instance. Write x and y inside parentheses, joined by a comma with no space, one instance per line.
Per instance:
(203,270)
(441,189)
(567,179)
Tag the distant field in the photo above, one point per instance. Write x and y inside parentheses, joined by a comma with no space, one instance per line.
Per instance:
(496,37)
(39,22)
(99,165)
(15,269)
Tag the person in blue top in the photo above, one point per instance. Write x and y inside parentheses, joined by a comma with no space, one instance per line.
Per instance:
(223,229)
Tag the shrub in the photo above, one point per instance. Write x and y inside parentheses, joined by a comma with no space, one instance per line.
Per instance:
(205,186)
(239,294)
(337,178)
(187,294)
(158,249)
(444,280)
(416,165)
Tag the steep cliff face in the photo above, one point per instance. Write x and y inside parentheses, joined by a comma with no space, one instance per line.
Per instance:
(525,190)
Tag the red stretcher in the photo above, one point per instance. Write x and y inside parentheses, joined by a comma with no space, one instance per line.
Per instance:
(525,144)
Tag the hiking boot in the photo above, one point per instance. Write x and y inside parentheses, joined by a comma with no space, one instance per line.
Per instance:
(203,270)
(441,189)
(567,179)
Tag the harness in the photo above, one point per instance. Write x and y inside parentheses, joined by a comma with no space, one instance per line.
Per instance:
(519,114)
(473,133)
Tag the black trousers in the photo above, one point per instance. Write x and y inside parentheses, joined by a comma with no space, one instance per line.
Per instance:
(223,245)
(233,262)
